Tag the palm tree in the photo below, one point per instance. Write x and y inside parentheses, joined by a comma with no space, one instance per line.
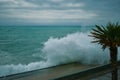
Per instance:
(109,36)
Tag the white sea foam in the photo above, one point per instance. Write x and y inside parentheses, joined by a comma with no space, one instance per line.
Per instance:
(73,47)
(12,69)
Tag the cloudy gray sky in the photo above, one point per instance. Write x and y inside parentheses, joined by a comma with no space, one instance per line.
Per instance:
(45,12)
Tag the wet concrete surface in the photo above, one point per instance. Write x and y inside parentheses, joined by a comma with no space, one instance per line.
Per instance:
(49,73)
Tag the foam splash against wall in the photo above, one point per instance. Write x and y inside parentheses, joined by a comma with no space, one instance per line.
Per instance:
(75,47)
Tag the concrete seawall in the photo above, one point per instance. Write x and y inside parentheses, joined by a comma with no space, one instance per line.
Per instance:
(89,73)
(47,73)
(71,71)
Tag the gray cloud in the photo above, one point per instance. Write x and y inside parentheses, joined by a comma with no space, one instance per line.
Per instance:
(16,4)
(56,11)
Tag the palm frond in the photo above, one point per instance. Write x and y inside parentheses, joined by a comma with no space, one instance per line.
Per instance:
(106,36)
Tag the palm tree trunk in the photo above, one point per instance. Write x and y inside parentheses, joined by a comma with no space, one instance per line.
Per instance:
(113,60)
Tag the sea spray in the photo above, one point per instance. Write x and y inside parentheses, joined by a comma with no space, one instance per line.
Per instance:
(74,47)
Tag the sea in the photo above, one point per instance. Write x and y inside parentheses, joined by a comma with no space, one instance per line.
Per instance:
(26,48)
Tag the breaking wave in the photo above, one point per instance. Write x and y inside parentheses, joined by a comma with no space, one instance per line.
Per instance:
(74,47)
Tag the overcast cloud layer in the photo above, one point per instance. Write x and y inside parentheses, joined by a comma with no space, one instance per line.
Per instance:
(86,12)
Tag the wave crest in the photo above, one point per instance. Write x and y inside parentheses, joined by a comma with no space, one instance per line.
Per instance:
(74,47)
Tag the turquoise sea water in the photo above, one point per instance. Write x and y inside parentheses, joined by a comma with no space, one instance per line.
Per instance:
(26,48)
(22,44)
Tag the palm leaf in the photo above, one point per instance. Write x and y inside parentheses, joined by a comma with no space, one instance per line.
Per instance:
(106,36)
